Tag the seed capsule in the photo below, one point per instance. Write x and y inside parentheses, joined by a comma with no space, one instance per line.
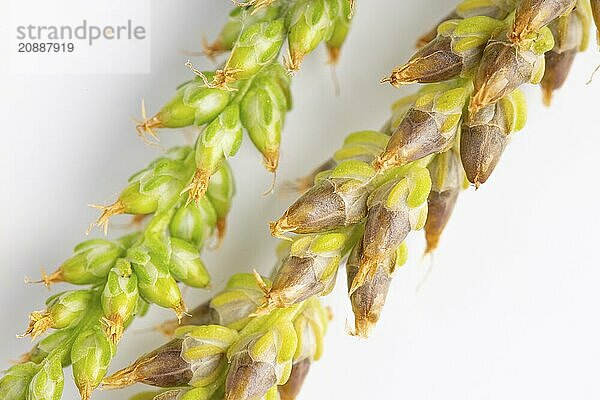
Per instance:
(596,14)
(428,127)
(261,359)
(14,385)
(154,188)
(341,28)
(238,18)
(186,265)
(368,299)
(532,15)
(91,354)
(45,346)
(262,113)
(505,66)
(446,182)
(220,193)
(221,140)
(204,348)
(64,310)
(48,382)
(485,134)
(310,268)
(569,38)
(90,263)
(309,22)
(291,389)
(498,9)
(163,367)
(455,52)
(194,222)
(150,262)
(337,201)
(395,209)
(256,47)
(119,299)
(236,303)
(310,326)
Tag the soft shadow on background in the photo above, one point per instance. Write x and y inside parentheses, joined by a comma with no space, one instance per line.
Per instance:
(510,310)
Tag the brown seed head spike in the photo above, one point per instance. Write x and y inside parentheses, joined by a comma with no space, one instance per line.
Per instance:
(107,212)
(39,323)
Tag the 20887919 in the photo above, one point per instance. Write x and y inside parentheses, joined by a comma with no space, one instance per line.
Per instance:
(45,47)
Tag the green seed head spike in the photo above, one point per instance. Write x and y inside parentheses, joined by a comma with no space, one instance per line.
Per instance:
(337,201)
(498,9)
(220,193)
(341,29)
(221,140)
(447,179)
(64,310)
(48,382)
(262,113)
(14,385)
(119,299)
(256,47)
(186,266)
(533,15)
(454,53)
(89,264)
(428,127)
(91,354)
(309,22)
(194,222)
(48,344)
(150,262)
(152,189)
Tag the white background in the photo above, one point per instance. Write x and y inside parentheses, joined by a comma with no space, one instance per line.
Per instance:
(510,310)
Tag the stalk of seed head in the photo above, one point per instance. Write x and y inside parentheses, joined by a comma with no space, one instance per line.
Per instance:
(428,127)
(485,135)
(447,178)
(505,66)
(455,52)
(570,37)
(368,299)
(533,15)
